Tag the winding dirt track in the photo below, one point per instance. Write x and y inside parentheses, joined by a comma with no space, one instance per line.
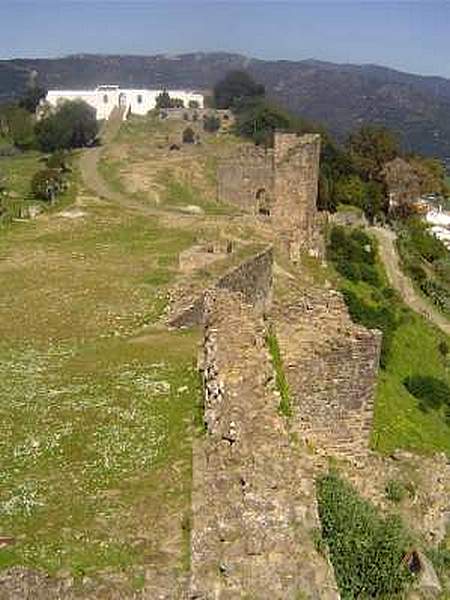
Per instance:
(402,283)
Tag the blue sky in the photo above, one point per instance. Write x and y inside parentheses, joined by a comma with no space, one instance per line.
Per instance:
(410,36)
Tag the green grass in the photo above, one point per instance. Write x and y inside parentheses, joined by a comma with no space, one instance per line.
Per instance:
(398,421)
(285,406)
(413,350)
(96,427)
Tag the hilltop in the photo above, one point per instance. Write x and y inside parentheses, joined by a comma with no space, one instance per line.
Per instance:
(341,96)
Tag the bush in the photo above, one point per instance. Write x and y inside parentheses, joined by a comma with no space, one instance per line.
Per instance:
(395,490)
(367,551)
(58,161)
(47,184)
(188,136)
(432,393)
(211,124)
(353,254)
(381,317)
(73,125)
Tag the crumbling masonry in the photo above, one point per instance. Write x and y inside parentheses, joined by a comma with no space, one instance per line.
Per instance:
(279,186)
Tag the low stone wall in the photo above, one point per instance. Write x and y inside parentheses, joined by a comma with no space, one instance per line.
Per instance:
(253,278)
(331,365)
(253,501)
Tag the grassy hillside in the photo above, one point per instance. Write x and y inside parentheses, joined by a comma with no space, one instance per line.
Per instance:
(340,96)
(410,348)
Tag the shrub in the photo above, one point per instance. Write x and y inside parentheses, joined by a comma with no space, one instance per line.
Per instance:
(211,124)
(366,550)
(73,125)
(47,184)
(188,136)
(432,393)
(58,161)
(381,317)
(443,348)
(395,490)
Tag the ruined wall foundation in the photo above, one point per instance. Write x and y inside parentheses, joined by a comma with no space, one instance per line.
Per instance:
(331,365)
(253,499)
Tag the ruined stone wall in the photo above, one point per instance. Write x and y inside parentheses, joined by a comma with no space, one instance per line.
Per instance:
(279,185)
(253,278)
(297,161)
(331,366)
(253,500)
(246,179)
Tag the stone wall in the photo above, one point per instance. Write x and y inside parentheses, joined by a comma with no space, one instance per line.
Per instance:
(254,507)
(247,179)
(331,366)
(296,179)
(278,185)
(253,278)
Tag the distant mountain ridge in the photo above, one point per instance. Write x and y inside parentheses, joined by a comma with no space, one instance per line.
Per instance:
(341,96)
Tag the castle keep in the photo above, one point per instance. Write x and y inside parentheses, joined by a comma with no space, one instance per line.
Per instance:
(278,185)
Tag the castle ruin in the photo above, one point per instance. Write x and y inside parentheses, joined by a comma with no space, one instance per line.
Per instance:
(279,185)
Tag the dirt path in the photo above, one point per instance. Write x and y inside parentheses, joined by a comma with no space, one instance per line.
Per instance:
(402,283)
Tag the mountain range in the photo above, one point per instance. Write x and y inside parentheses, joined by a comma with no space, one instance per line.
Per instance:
(340,96)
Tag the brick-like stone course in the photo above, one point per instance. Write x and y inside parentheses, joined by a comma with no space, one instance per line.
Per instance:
(253,278)
(279,185)
(254,506)
(331,365)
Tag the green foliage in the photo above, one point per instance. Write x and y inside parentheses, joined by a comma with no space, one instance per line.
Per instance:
(211,123)
(370,148)
(193,104)
(395,491)
(432,393)
(350,189)
(417,240)
(16,125)
(258,120)
(353,254)
(59,161)
(443,348)
(47,184)
(366,549)
(73,125)
(381,317)
(188,136)
(235,89)
(164,100)
(32,97)
(285,406)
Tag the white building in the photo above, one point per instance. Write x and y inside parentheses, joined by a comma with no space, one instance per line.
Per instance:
(440,222)
(105,98)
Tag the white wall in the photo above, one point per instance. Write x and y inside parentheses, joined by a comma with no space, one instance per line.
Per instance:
(105,98)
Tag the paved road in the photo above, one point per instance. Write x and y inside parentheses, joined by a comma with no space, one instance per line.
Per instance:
(402,283)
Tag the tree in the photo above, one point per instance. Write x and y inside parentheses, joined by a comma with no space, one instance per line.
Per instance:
(17,125)
(260,120)
(235,89)
(370,148)
(164,100)
(188,136)
(193,104)
(73,125)
(211,123)
(32,97)
(350,189)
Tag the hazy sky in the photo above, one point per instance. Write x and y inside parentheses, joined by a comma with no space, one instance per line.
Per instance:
(411,36)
